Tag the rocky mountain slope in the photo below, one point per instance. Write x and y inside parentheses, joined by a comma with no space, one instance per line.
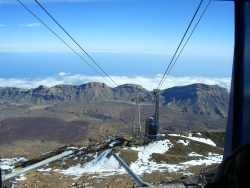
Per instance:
(197,98)
(92,91)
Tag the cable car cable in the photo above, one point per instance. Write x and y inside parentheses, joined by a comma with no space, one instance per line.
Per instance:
(188,39)
(59,37)
(74,40)
(181,41)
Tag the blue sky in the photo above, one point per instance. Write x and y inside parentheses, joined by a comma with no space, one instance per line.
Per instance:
(127,37)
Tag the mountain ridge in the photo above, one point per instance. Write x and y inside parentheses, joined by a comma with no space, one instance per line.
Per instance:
(196,98)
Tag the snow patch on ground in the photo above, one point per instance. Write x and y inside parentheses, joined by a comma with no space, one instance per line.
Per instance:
(21,178)
(209,160)
(106,165)
(9,163)
(145,152)
(102,164)
(198,139)
(44,170)
(184,142)
(144,165)
(193,154)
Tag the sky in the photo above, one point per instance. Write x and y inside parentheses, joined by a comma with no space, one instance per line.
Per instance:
(128,38)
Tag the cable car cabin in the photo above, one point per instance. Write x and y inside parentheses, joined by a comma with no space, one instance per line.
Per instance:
(152,124)
(151,129)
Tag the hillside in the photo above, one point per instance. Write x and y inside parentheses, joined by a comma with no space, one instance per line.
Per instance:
(36,121)
(66,114)
(198,98)
(92,91)
(174,157)
(42,129)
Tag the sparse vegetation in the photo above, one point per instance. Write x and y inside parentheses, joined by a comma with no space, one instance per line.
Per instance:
(128,156)
(179,153)
(217,136)
(170,158)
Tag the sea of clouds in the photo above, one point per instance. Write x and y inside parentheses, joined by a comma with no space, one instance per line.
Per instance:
(147,82)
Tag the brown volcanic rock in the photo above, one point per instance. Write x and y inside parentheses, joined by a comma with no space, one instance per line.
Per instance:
(130,92)
(199,99)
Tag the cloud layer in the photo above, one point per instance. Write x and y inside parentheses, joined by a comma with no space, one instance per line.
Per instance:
(76,79)
(35,24)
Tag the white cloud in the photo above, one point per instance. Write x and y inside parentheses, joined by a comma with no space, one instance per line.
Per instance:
(147,82)
(35,24)
(63,73)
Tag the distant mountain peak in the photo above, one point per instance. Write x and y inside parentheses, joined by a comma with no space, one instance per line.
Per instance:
(94,85)
(131,86)
(198,98)
(41,87)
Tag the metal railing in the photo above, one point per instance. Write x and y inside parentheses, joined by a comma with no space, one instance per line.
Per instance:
(40,164)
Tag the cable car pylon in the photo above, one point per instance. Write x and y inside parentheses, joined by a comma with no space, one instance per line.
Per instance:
(152,124)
